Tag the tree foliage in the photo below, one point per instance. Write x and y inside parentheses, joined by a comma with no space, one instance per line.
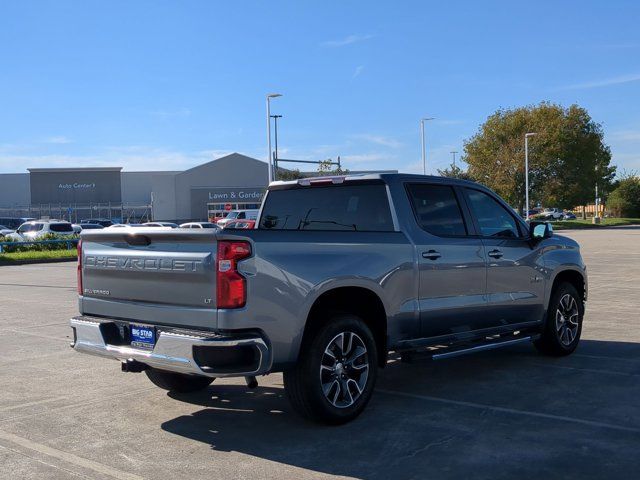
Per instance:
(566,157)
(455,171)
(624,201)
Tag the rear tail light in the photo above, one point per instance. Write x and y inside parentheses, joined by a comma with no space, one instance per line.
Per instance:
(79,267)
(231,285)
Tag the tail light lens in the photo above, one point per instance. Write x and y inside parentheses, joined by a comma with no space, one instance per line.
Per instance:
(80,267)
(231,286)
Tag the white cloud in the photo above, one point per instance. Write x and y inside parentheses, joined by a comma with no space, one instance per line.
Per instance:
(131,158)
(357,71)
(378,140)
(627,135)
(346,41)
(622,79)
(58,140)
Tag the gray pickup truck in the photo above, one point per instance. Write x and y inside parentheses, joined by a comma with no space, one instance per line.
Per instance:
(338,272)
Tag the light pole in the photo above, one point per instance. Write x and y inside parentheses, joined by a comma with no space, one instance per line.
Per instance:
(526,173)
(454,158)
(270,170)
(424,151)
(275,155)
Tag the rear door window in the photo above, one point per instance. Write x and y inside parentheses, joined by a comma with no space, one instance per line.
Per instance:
(356,208)
(437,210)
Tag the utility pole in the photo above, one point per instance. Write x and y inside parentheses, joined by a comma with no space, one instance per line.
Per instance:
(269,169)
(454,159)
(526,173)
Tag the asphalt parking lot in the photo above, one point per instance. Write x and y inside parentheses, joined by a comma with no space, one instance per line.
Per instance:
(509,413)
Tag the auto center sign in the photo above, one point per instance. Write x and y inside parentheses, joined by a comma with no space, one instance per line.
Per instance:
(66,186)
(75,186)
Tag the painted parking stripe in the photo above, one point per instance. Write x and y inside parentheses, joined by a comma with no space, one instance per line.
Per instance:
(512,411)
(67,457)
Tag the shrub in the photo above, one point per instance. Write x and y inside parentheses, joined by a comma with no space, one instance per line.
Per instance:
(624,201)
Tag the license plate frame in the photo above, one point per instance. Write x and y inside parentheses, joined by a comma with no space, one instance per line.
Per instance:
(142,336)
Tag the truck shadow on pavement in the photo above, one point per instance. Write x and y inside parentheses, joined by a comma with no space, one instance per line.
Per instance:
(510,413)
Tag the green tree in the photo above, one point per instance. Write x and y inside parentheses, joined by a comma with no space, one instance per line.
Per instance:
(286,174)
(455,171)
(566,157)
(624,201)
(325,168)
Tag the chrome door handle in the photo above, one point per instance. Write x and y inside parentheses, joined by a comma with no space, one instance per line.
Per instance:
(495,254)
(431,255)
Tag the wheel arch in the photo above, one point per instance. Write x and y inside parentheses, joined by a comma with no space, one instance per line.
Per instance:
(574,277)
(356,300)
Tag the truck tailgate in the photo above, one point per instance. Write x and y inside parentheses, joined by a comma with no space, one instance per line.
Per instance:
(139,274)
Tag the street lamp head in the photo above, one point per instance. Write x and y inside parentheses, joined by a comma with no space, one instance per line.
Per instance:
(425,119)
(530,134)
(274,95)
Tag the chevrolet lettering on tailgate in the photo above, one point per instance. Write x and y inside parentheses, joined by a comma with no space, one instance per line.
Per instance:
(133,263)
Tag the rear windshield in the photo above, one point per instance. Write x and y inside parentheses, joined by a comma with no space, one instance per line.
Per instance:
(60,227)
(362,208)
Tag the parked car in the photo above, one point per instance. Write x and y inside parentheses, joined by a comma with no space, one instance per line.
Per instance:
(238,215)
(240,224)
(124,225)
(340,271)
(100,221)
(160,224)
(37,229)
(568,216)
(14,222)
(552,214)
(199,225)
(89,226)
(5,231)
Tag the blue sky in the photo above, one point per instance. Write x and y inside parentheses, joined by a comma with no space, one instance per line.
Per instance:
(168,85)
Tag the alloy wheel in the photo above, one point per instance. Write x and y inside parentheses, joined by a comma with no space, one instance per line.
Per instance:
(567,319)
(344,369)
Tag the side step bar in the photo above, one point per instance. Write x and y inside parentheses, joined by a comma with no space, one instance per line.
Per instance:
(481,348)
(451,352)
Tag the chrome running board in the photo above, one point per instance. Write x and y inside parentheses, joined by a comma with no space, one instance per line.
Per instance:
(486,346)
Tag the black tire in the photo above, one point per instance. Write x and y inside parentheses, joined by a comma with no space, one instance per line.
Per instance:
(178,382)
(563,326)
(345,373)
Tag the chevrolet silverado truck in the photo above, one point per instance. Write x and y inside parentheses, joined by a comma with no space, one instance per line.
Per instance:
(338,273)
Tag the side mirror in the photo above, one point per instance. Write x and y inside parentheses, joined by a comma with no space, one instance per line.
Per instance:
(540,230)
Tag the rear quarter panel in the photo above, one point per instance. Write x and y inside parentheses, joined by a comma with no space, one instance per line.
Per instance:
(289,270)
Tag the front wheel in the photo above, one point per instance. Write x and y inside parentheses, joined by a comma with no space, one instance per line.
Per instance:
(336,371)
(563,327)
(178,382)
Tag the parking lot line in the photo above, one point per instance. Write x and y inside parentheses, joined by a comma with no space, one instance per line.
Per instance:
(79,404)
(31,404)
(512,411)
(590,370)
(67,457)
(57,467)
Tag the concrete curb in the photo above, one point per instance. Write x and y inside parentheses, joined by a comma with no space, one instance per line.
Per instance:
(4,263)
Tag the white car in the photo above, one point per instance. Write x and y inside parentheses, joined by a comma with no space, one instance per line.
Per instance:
(552,213)
(5,231)
(238,215)
(37,229)
(199,225)
(160,224)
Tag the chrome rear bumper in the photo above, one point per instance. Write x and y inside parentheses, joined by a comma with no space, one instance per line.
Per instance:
(174,349)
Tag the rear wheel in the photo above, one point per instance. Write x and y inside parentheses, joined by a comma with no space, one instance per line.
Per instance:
(178,382)
(563,327)
(336,371)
